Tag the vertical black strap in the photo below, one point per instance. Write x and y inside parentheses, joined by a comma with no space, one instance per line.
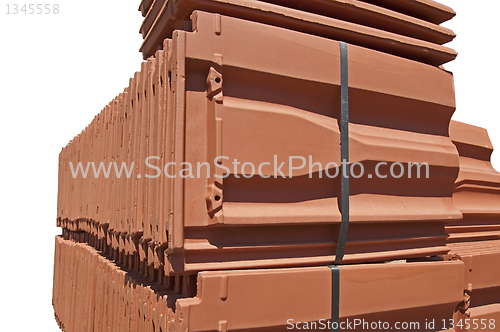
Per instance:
(344,203)
(335,298)
(344,141)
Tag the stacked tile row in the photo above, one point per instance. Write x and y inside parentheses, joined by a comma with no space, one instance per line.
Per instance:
(102,184)
(209,95)
(94,293)
(477,189)
(408,29)
(475,239)
(245,101)
(481,282)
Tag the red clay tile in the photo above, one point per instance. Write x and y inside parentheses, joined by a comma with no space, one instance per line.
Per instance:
(476,193)
(428,10)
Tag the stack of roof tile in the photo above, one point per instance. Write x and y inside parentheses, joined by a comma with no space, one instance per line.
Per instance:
(255,112)
(477,189)
(258,82)
(93,293)
(475,239)
(406,30)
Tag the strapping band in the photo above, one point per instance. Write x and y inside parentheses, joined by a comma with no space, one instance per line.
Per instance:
(344,151)
(335,298)
(344,199)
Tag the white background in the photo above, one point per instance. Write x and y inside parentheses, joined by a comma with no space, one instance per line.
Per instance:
(58,71)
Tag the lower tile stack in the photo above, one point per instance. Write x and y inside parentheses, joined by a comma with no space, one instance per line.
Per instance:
(93,292)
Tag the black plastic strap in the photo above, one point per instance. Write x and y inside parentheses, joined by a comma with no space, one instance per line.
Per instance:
(335,298)
(344,199)
(344,147)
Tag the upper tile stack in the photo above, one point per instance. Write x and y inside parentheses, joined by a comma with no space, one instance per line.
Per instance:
(408,29)
(259,94)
